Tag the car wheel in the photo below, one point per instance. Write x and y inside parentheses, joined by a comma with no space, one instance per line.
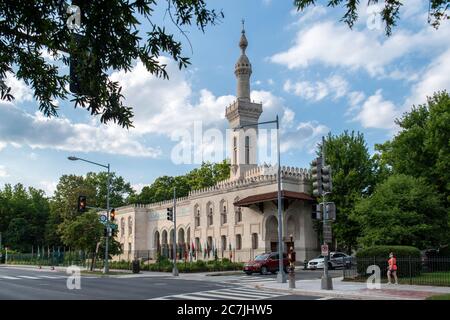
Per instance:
(263,270)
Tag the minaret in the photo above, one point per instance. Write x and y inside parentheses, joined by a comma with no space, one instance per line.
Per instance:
(243,142)
(243,69)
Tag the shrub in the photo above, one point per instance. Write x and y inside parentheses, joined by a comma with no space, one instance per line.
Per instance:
(408,259)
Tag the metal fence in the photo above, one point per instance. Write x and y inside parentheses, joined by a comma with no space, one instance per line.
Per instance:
(410,270)
(183,254)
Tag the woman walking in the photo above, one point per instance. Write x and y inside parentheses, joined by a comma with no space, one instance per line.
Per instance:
(392,269)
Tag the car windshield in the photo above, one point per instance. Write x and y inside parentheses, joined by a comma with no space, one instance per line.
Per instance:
(320,257)
(261,257)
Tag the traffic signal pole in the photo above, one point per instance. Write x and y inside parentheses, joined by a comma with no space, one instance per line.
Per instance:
(108,228)
(327,283)
(175,270)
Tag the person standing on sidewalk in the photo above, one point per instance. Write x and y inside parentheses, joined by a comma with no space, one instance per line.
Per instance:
(392,268)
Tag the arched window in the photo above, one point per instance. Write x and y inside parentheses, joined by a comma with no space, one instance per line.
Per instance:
(238,242)
(238,214)
(209,210)
(197,244)
(254,241)
(247,150)
(234,150)
(130,225)
(223,212)
(122,227)
(223,242)
(197,216)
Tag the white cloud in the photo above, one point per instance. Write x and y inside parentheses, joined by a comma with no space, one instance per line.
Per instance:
(19,89)
(3,172)
(48,186)
(138,187)
(436,77)
(2,145)
(21,128)
(377,112)
(162,106)
(304,137)
(334,85)
(334,44)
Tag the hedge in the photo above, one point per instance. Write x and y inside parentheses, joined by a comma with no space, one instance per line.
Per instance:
(408,259)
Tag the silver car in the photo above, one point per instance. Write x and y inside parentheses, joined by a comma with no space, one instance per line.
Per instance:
(337,260)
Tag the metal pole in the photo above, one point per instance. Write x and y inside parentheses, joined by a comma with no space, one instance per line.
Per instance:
(175,270)
(108,228)
(281,277)
(326,280)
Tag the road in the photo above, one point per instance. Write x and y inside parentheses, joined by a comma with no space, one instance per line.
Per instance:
(25,283)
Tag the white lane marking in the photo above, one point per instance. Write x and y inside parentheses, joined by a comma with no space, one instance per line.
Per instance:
(325,298)
(9,278)
(28,277)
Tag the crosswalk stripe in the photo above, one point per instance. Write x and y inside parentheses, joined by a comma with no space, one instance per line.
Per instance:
(9,278)
(221,295)
(190,296)
(53,277)
(249,292)
(28,277)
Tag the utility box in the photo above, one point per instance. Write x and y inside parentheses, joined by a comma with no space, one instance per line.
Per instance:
(136,266)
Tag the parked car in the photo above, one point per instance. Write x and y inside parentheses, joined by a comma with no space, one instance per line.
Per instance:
(337,260)
(264,263)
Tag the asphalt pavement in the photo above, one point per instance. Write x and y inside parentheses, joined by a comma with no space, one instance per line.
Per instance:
(43,284)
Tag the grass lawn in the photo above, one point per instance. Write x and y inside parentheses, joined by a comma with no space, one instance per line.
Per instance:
(440,297)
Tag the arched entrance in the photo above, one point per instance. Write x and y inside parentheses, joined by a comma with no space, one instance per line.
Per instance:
(164,244)
(272,233)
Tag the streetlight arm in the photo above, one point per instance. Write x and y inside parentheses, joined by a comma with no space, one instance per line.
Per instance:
(98,164)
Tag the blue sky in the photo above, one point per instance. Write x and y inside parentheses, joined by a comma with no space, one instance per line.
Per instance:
(308,68)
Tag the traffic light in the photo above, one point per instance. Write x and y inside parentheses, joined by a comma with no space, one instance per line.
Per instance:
(112,215)
(170,214)
(330,209)
(326,178)
(317,211)
(316,172)
(82,205)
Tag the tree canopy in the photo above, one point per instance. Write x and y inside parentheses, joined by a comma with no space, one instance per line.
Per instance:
(422,148)
(111,38)
(23,215)
(352,171)
(389,14)
(205,176)
(403,210)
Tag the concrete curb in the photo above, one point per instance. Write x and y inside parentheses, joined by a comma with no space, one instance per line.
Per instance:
(332,294)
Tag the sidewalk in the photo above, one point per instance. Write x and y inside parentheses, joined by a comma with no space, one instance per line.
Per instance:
(356,290)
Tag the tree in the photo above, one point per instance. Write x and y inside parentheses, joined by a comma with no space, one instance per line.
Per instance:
(93,186)
(421,148)
(205,176)
(352,176)
(23,214)
(112,38)
(389,13)
(403,210)
(83,233)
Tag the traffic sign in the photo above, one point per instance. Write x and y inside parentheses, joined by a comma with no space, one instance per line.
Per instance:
(324,249)
(103,218)
(113,226)
(327,234)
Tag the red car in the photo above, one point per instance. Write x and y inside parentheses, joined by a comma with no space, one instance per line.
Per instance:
(264,263)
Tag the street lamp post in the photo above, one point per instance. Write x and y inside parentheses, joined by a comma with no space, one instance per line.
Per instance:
(281,277)
(108,188)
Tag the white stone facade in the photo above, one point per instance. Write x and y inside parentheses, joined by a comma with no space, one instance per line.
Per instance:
(209,218)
